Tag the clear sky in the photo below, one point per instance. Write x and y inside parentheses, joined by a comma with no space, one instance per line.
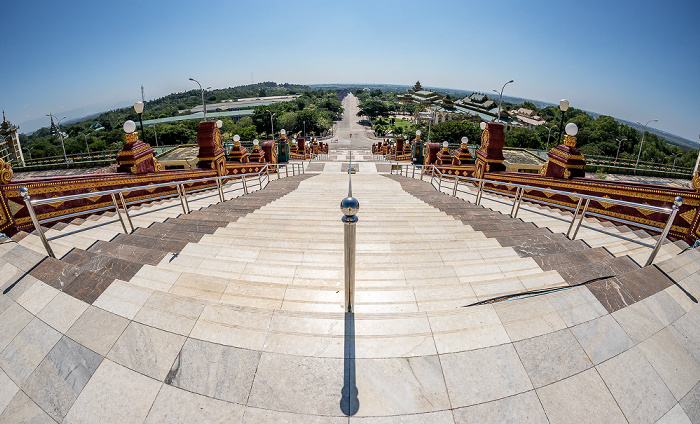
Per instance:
(635,60)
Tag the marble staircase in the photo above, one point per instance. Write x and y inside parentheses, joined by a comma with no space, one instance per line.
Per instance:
(234,313)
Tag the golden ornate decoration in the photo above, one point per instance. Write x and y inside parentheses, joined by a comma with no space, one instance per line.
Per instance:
(133,152)
(567,174)
(569,141)
(132,138)
(688,216)
(485,140)
(543,172)
(696,182)
(14,207)
(564,165)
(157,167)
(5,172)
(606,205)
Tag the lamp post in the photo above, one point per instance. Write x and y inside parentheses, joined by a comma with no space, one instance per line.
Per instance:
(272,123)
(60,136)
(675,156)
(138,107)
(500,98)
(155,133)
(644,132)
(304,129)
(86,143)
(204,105)
(619,144)
(548,134)
(563,106)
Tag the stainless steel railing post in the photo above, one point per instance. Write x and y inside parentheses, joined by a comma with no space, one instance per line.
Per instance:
(520,199)
(245,184)
(580,221)
(286,170)
(454,189)
(515,202)
(678,201)
(126,211)
(578,206)
(422,171)
(349,206)
(119,214)
(219,187)
(24,192)
(480,193)
(413,174)
(183,199)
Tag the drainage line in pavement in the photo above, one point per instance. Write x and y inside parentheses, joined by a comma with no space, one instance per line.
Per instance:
(532,293)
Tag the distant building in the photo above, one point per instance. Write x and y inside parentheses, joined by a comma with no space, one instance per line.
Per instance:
(10,146)
(527,117)
(241,104)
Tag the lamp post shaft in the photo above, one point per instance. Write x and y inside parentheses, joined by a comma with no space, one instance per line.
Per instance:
(644,132)
(143,134)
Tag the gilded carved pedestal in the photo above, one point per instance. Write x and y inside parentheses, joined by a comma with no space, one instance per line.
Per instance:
(211,150)
(489,157)
(136,157)
(565,161)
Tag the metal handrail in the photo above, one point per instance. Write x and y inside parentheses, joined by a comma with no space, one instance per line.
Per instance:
(121,205)
(578,212)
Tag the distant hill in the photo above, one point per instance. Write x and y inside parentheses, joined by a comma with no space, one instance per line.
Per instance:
(670,138)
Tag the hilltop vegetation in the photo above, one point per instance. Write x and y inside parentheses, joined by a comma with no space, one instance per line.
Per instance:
(314,109)
(596,136)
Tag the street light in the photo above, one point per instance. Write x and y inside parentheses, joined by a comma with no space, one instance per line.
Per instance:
(86,143)
(675,156)
(138,107)
(644,132)
(563,106)
(548,134)
(304,130)
(60,136)
(272,123)
(619,144)
(204,105)
(500,98)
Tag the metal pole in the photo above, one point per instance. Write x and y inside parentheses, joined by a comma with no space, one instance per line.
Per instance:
(126,211)
(454,189)
(349,206)
(580,221)
(644,132)
(520,199)
(578,206)
(678,201)
(480,193)
(116,208)
(24,192)
(245,185)
(220,188)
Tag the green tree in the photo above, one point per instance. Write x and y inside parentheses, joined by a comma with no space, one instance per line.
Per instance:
(523,138)
(373,109)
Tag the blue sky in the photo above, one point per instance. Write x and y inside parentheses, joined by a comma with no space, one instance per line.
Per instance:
(636,60)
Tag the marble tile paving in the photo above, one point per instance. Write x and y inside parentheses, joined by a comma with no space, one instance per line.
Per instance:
(245,326)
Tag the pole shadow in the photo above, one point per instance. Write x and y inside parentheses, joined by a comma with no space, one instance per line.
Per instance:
(349,403)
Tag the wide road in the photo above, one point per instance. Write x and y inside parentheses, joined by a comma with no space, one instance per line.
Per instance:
(350,125)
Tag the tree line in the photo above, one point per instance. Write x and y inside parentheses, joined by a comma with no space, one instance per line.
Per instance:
(601,136)
(314,109)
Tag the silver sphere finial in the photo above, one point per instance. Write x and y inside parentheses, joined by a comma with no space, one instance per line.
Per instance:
(349,206)
(678,201)
(24,192)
